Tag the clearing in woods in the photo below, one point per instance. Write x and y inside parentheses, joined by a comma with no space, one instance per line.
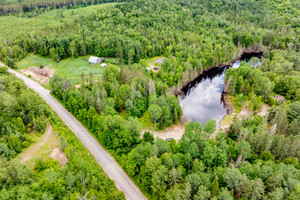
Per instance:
(45,146)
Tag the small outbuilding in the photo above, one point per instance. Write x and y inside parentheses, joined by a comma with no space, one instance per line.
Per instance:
(103,64)
(95,60)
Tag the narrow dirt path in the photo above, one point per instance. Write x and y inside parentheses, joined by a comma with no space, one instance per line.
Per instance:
(29,153)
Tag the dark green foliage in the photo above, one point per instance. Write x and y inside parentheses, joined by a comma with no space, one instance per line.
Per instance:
(148,137)
(21,111)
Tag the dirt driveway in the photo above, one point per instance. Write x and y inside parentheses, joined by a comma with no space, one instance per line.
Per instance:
(33,150)
(41,75)
(36,149)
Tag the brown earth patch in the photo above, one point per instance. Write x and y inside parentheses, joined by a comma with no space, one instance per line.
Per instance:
(41,75)
(175,131)
(60,156)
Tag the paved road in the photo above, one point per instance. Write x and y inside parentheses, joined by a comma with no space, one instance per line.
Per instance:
(104,159)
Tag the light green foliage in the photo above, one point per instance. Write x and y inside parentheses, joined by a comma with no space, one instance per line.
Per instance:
(244,148)
(224,195)
(254,189)
(210,126)
(277,194)
(295,194)
(155,112)
(203,193)
(234,179)
(213,156)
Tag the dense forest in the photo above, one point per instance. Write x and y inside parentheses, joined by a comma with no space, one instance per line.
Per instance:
(199,34)
(22,112)
(256,158)
(253,160)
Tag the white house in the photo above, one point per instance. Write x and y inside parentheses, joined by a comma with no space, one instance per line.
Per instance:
(95,60)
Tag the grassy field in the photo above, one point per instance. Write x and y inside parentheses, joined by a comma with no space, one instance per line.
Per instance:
(71,68)
(12,26)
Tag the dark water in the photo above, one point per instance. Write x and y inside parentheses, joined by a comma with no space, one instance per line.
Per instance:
(202,99)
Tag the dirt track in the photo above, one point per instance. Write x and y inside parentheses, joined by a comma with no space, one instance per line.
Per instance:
(31,152)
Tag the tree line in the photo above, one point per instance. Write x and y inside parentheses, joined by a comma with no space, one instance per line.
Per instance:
(40,6)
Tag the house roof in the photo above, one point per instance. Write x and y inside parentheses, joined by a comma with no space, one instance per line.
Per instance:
(94,59)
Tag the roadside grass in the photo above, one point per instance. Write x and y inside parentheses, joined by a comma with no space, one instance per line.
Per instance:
(71,68)
(12,26)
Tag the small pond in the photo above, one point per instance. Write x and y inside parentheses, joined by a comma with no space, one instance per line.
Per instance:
(202,98)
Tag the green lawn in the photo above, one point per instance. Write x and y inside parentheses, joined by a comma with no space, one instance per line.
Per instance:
(71,68)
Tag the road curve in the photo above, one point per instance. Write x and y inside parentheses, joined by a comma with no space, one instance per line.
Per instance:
(104,159)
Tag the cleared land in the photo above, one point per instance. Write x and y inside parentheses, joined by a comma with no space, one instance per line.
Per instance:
(44,146)
(72,68)
(243,114)
(40,75)
(12,26)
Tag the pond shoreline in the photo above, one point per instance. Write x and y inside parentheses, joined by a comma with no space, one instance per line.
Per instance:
(246,54)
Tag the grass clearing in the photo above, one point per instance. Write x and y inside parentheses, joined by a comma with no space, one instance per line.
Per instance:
(42,146)
(151,61)
(12,26)
(71,68)
(146,122)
